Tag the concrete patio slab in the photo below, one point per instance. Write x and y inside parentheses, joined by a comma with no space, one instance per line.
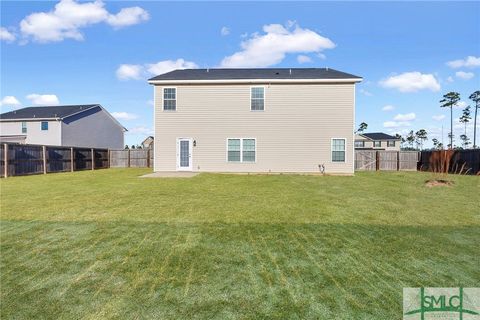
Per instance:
(171,174)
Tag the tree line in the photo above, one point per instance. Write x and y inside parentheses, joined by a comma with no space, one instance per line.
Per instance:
(415,140)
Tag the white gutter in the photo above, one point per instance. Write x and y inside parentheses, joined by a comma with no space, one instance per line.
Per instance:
(228,81)
(30,119)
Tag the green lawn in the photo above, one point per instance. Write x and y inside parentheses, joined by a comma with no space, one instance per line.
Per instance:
(106,244)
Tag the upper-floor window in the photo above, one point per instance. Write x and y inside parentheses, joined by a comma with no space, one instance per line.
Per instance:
(257,98)
(377,144)
(338,150)
(24,127)
(390,143)
(44,125)
(170,99)
(359,144)
(241,150)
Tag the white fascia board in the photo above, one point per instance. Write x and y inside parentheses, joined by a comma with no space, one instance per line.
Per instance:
(231,81)
(30,119)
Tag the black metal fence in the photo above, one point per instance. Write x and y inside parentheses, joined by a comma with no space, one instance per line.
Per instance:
(22,159)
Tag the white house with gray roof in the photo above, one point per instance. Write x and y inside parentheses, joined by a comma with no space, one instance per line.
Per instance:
(255,120)
(88,126)
(377,141)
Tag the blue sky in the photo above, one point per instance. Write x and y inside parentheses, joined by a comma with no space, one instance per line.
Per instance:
(409,54)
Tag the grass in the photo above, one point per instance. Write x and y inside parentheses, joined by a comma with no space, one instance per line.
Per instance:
(106,244)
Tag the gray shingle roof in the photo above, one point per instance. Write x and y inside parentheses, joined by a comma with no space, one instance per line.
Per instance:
(379,136)
(48,112)
(264,73)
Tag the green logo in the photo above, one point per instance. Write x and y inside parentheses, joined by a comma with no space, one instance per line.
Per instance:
(441,303)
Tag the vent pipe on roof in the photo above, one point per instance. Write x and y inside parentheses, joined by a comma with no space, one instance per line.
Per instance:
(208,69)
(326,68)
(290,71)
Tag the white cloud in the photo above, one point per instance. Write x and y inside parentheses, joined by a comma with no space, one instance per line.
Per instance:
(469,62)
(69,16)
(438,117)
(6,35)
(139,71)
(10,101)
(124,116)
(169,65)
(449,79)
(321,56)
(405,117)
(411,82)
(129,71)
(388,107)
(127,17)
(303,59)
(270,48)
(43,99)
(225,31)
(396,124)
(464,75)
(143,130)
(460,105)
(365,92)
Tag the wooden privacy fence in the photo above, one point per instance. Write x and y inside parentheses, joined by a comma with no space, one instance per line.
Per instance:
(131,158)
(22,159)
(381,160)
(451,161)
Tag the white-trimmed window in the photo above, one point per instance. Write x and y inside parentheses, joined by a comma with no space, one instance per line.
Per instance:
(391,143)
(377,144)
(338,150)
(257,98)
(241,150)
(359,144)
(24,127)
(169,99)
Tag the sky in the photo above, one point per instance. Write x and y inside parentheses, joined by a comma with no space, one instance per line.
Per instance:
(408,53)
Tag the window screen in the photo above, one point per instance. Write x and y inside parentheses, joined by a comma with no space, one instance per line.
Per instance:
(257,102)
(169,98)
(338,150)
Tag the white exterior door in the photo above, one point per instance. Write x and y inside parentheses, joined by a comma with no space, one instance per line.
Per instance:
(184,154)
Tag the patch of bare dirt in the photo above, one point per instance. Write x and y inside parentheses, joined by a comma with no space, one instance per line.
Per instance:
(438,183)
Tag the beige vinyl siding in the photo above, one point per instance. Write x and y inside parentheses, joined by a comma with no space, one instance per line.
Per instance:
(383,145)
(34,134)
(293,134)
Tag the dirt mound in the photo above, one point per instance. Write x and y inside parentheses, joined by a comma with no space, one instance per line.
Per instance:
(438,183)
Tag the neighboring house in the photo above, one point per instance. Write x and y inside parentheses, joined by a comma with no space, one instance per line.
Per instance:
(254,120)
(377,141)
(75,125)
(148,143)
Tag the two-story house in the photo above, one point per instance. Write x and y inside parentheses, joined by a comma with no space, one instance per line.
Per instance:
(88,126)
(254,120)
(377,141)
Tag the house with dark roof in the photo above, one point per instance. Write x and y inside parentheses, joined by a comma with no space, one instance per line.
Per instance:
(377,141)
(87,125)
(255,120)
